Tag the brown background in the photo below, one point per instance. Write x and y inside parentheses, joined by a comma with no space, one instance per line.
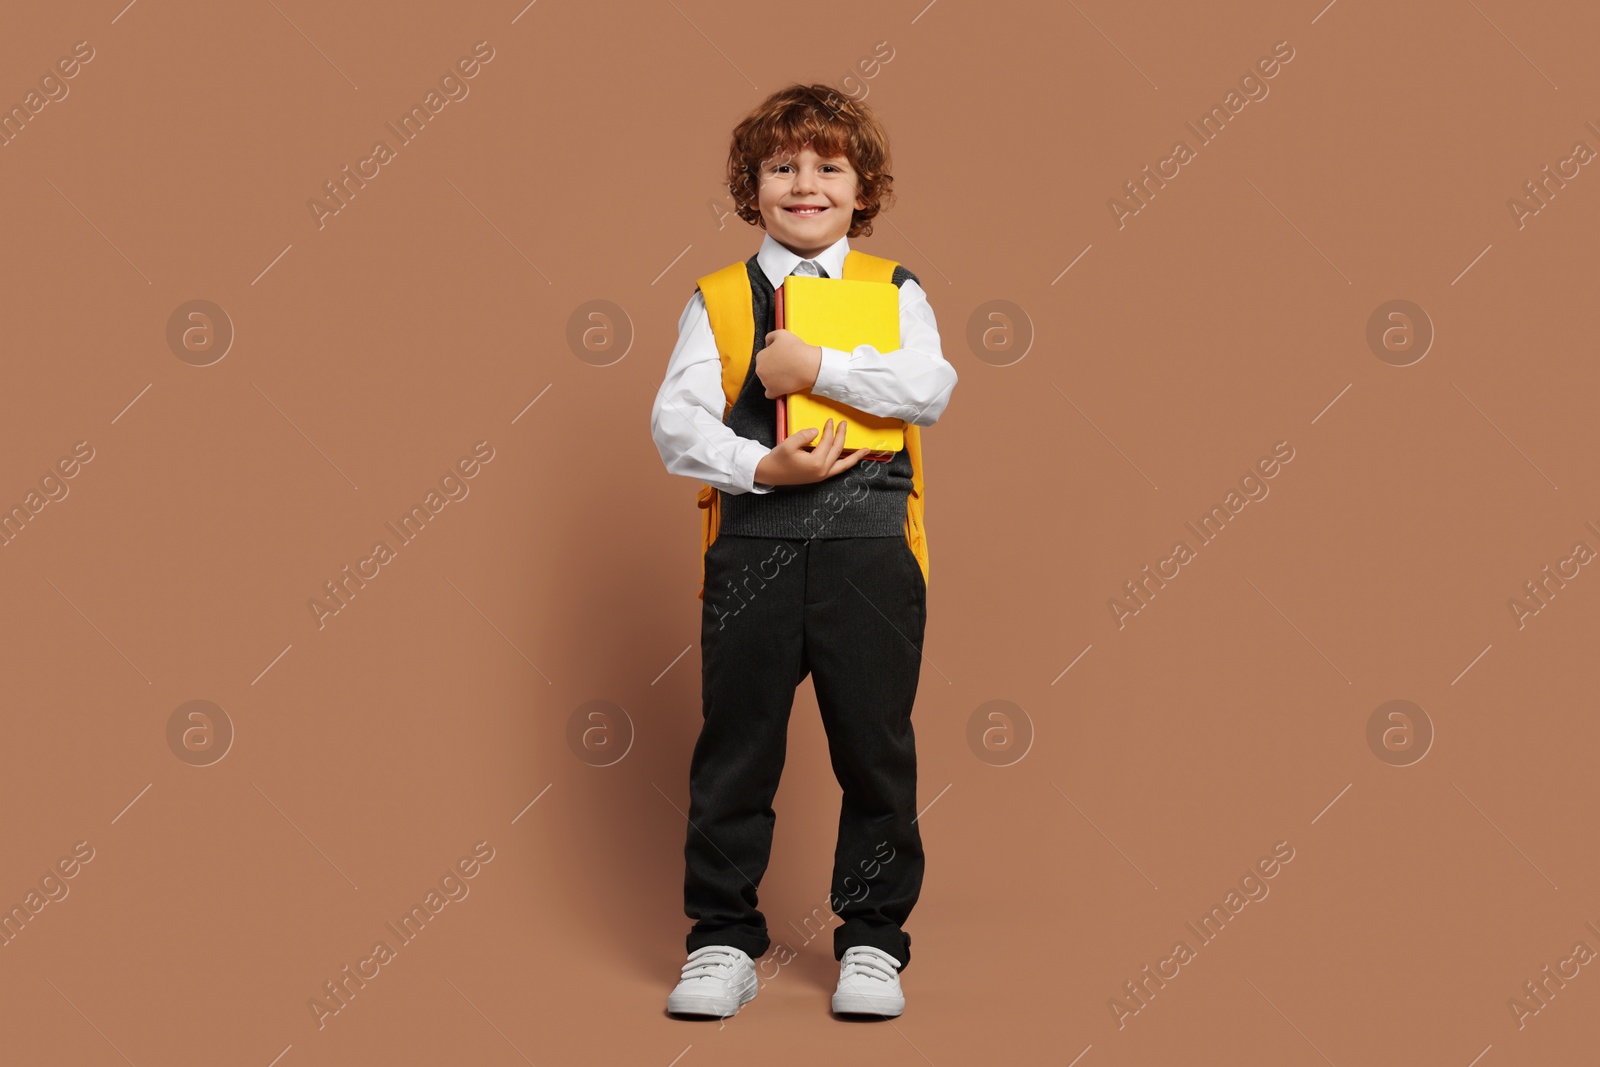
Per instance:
(427,715)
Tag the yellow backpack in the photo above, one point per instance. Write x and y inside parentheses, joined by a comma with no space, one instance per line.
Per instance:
(732,314)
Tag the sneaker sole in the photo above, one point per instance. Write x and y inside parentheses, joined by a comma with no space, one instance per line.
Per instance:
(718,1007)
(855,1004)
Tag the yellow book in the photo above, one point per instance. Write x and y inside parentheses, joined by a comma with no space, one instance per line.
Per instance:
(840,313)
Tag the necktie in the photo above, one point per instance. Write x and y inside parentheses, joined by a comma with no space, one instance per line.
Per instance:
(807,266)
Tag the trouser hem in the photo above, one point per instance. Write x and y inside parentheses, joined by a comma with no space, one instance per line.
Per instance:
(751,942)
(890,939)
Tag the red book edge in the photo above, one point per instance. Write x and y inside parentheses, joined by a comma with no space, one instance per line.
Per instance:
(783,401)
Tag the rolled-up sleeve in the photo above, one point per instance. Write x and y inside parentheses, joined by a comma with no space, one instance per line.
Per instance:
(913,382)
(686,418)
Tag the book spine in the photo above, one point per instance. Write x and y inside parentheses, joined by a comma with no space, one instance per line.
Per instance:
(783,401)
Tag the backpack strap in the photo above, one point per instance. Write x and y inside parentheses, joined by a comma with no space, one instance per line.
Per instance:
(877,269)
(868,268)
(732,313)
(731,310)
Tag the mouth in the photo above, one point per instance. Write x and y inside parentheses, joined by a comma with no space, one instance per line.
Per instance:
(806,211)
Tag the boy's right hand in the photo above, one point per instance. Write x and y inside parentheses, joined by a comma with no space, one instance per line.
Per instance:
(791,464)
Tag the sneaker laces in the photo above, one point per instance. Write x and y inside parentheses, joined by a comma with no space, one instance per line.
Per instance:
(869,964)
(710,962)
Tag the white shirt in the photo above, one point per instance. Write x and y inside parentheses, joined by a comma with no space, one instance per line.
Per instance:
(913,382)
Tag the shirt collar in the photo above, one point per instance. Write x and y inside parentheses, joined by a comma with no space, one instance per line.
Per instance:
(777,262)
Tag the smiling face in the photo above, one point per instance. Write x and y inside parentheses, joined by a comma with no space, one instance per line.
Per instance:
(807,201)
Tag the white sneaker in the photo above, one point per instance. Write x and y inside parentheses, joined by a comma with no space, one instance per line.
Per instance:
(718,980)
(869,983)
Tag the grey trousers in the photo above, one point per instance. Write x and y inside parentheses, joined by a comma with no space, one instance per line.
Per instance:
(850,612)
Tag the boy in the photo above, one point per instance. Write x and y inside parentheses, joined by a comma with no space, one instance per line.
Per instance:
(812,567)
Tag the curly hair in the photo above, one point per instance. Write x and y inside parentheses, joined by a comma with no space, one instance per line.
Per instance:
(831,125)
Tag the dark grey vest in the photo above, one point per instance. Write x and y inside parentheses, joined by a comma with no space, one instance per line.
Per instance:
(868,500)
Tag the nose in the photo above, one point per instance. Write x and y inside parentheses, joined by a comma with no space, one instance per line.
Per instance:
(804,180)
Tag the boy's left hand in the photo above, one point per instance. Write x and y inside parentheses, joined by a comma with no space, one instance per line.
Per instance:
(787,364)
